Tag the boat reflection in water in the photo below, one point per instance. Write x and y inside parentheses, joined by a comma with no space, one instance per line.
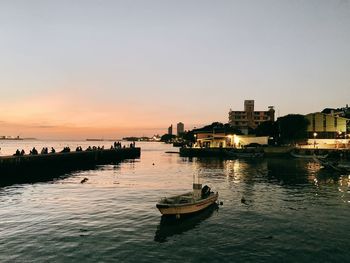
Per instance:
(170,226)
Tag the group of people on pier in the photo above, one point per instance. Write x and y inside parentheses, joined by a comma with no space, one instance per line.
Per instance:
(19,153)
(45,150)
(118,145)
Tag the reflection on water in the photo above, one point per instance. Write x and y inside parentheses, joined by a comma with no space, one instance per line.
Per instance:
(56,174)
(170,226)
(293,211)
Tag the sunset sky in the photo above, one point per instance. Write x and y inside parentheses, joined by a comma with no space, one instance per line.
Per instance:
(107,69)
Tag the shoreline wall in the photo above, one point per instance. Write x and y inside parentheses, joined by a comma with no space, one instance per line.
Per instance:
(279,152)
(30,168)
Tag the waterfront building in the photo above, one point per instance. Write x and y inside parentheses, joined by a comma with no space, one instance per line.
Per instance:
(224,136)
(326,126)
(170,130)
(180,128)
(326,130)
(223,140)
(249,118)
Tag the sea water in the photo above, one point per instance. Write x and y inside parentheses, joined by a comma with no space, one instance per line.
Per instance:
(274,210)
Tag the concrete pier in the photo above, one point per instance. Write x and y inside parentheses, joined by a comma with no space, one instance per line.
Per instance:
(32,168)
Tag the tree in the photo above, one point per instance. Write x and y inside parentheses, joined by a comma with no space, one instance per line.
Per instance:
(267,128)
(292,128)
(220,127)
(167,138)
(188,137)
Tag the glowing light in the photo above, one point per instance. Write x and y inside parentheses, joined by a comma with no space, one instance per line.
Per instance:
(236,139)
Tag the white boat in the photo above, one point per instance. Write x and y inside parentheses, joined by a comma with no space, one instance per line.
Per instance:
(188,203)
(310,156)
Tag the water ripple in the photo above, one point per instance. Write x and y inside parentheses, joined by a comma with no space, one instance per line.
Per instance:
(292,212)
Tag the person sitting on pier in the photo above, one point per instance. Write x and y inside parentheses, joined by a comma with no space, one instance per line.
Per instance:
(17,153)
(88,148)
(53,150)
(65,150)
(44,150)
(22,152)
(78,149)
(34,151)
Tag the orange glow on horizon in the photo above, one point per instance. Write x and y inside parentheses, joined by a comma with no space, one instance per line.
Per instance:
(57,116)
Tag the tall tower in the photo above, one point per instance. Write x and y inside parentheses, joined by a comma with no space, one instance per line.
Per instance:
(249,111)
(170,130)
(271,113)
(180,128)
(249,105)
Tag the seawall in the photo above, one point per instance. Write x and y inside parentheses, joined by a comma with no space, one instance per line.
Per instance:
(32,168)
(273,151)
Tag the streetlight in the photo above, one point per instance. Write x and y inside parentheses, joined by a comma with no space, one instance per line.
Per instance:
(339,139)
(315,134)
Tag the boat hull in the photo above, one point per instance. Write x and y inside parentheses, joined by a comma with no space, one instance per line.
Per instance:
(186,209)
(295,155)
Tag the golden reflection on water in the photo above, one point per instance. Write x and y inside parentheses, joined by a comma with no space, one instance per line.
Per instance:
(322,177)
(344,188)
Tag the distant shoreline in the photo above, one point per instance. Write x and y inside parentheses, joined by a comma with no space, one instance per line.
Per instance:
(17,139)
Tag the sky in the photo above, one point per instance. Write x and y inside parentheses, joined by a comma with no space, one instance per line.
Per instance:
(108,69)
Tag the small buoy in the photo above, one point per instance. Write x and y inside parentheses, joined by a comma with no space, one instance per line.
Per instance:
(268,237)
(84,180)
(221,203)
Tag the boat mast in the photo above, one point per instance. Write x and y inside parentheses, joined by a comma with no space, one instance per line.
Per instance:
(197,188)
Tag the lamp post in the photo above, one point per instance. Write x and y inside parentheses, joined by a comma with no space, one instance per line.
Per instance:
(315,134)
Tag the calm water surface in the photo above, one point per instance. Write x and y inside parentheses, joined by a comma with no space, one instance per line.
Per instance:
(294,212)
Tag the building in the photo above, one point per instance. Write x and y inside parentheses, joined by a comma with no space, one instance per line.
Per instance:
(327,131)
(180,128)
(250,119)
(170,130)
(222,136)
(326,126)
